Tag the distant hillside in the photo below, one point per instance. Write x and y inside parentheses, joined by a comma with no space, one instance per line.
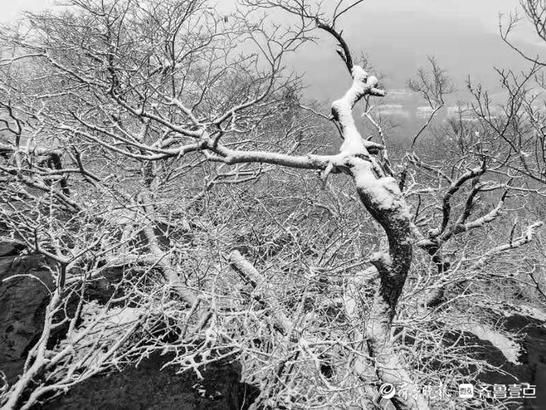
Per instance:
(398,43)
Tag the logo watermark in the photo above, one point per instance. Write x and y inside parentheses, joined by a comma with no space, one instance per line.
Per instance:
(465,391)
(387,391)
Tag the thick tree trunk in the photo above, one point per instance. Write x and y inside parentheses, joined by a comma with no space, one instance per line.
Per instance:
(382,198)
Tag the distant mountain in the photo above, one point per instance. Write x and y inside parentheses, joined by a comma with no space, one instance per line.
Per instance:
(398,43)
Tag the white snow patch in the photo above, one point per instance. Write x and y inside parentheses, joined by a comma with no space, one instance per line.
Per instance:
(383,192)
(510,349)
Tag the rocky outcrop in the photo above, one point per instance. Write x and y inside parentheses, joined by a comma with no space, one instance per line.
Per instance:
(150,387)
(25,285)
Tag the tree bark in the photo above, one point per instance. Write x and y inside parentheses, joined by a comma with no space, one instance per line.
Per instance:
(381,196)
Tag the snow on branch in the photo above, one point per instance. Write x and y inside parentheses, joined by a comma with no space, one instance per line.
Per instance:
(527,237)
(251,275)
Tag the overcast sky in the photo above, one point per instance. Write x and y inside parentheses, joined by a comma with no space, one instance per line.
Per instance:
(397,36)
(9,9)
(483,11)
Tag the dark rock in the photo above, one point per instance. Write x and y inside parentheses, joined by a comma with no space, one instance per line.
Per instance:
(149,387)
(25,286)
(11,248)
(532,366)
(22,307)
